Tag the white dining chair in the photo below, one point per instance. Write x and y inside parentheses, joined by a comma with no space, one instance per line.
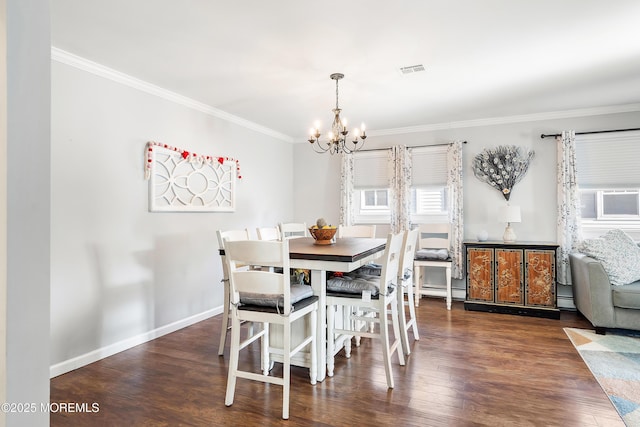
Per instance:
(269,298)
(432,252)
(230,235)
(405,286)
(268,233)
(292,230)
(367,294)
(364,231)
(356,231)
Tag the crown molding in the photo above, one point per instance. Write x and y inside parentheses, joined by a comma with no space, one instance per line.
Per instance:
(72,60)
(125,79)
(553,115)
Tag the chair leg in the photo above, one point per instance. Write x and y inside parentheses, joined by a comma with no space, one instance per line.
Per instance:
(402,319)
(397,342)
(353,324)
(448,277)
(417,280)
(331,343)
(286,371)
(412,313)
(233,362)
(264,346)
(313,372)
(384,338)
(225,318)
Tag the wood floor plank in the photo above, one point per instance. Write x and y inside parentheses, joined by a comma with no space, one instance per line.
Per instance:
(468,369)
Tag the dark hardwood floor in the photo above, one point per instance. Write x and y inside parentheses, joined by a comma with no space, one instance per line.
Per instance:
(468,369)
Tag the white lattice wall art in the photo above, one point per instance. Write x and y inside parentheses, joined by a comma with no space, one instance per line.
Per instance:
(180,181)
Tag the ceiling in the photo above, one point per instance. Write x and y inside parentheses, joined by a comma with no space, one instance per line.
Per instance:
(269,62)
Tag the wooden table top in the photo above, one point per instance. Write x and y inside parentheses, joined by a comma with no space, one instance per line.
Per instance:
(348,249)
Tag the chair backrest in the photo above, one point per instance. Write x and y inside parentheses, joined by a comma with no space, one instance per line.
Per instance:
(391,260)
(268,233)
(229,235)
(434,236)
(409,243)
(232,235)
(356,231)
(266,253)
(292,230)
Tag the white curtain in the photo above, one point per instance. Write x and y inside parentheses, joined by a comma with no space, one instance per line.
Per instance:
(400,194)
(346,190)
(568,214)
(456,217)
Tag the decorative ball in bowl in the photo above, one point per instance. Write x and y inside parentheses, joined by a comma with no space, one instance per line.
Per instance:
(323,236)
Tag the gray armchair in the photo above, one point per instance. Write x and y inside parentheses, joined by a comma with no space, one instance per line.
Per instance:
(603,304)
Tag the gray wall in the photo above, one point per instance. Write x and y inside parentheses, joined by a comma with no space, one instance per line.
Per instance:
(317,184)
(27,172)
(121,275)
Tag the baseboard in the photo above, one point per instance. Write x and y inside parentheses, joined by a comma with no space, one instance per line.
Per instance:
(101,353)
(566,303)
(456,294)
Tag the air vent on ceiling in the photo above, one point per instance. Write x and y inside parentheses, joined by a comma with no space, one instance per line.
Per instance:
(411,69)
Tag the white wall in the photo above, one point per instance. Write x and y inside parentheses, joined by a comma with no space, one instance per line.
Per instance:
(3,207)
(536,193)
(27,36)
(120,274)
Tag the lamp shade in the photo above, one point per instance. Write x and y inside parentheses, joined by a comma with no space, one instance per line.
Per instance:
(510,213)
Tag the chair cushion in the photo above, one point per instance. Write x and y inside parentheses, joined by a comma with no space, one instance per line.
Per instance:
(298,293)
(372,269)
(354,284)
(273,309)
(438,254)
(618,253)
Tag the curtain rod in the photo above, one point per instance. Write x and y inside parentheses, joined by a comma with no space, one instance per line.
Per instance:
(587,133)
(413,146)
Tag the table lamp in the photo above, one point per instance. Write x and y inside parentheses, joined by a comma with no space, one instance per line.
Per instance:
(509,214)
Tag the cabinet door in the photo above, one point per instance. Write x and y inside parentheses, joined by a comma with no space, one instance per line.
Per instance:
(480,274)
(509,276)
(540,280)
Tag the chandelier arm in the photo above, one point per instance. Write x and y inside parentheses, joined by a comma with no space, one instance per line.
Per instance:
(318,145)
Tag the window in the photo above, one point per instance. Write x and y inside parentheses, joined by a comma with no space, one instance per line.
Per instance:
(610,204)
(374,200)
(429,201)
(371,187)
(371,183)
(609,182)
(429,184)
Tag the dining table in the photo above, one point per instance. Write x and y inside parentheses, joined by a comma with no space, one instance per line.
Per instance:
(344,255)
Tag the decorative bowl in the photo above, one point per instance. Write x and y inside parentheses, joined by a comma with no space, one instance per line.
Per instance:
(323,236)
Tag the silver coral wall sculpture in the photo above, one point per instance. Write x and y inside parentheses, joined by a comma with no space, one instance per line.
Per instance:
(502,167)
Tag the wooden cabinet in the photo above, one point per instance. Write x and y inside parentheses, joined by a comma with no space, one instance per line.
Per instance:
(516,278)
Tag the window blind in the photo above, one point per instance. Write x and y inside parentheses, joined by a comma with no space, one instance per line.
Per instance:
(608,161)
(371,169)
(429,166)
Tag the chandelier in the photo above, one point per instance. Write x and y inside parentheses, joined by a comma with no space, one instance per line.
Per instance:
(337,137)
